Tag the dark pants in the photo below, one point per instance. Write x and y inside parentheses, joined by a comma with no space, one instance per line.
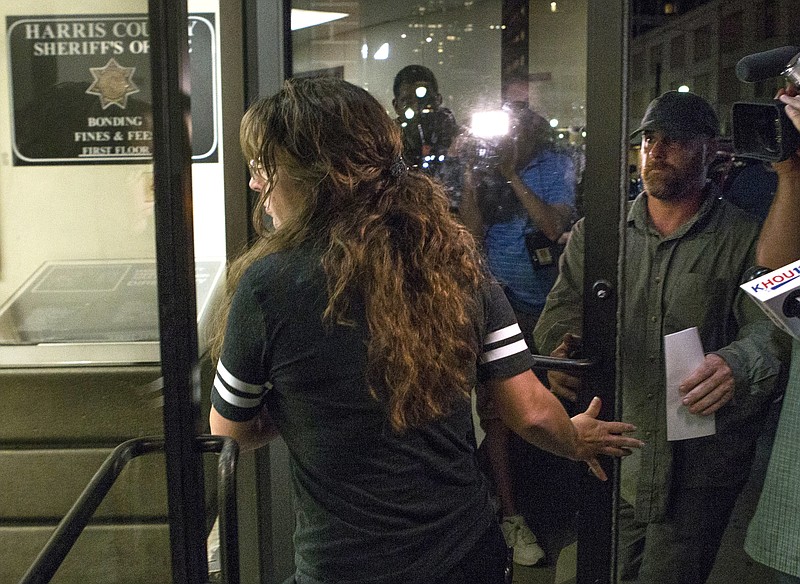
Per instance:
(680,550)
(485,563)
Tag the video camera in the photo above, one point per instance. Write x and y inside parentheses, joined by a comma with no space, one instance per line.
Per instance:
(487,131)
(492,133)
(763,130)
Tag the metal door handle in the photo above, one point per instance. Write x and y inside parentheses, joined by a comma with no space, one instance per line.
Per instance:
(577,367)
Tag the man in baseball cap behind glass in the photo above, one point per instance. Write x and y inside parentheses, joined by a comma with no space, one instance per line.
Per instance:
(682,115)
(686,252)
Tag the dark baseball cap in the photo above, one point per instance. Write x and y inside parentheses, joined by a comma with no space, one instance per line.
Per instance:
(681,115)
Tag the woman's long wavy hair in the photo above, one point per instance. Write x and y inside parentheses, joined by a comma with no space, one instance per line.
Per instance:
(386,236)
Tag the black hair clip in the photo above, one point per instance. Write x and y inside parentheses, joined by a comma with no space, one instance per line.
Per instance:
(399,168)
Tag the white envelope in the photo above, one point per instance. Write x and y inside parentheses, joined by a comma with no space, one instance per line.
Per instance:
(683,353)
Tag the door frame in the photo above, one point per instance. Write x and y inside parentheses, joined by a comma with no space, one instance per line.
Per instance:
(604,204)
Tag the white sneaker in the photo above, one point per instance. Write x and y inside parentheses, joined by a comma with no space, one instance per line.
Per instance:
(519,537)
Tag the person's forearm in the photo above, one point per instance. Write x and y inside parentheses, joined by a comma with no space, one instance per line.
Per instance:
(249,435)
(553,433)
(543,421)
(551,220)
(531,411)
(779,242)
(468,211)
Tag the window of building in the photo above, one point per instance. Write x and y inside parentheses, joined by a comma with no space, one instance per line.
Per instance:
(703,85)
(655,57)
(677,52)
(730,32)
(703,42)
(637,66)
(730,88)
(769,14)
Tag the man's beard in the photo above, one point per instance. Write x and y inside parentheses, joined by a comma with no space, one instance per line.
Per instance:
(667,183)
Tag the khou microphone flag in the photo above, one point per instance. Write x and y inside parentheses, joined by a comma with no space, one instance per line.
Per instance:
(778,295)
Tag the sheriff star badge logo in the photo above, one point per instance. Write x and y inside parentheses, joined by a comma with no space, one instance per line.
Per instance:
(113,84)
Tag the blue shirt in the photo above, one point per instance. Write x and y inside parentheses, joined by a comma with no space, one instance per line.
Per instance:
(551,176)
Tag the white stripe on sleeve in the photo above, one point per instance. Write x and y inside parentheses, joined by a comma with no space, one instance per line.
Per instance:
(236,383)
(504,333)
(235,400)
(504,351)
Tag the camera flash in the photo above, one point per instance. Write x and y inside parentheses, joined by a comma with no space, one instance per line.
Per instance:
(490,124)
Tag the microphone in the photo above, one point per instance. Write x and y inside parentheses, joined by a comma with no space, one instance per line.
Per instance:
(777,293)
(761,66)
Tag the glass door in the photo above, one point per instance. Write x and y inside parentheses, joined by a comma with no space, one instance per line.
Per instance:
(694,48)
(464,80)
(112,248)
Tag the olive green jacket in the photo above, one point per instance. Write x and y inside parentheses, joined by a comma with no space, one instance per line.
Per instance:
(689,278)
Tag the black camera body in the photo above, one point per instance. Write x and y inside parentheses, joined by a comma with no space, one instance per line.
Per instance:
(485,153)
(763,130)
(427,137)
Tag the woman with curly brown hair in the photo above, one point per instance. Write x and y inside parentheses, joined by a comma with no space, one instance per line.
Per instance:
(356,330)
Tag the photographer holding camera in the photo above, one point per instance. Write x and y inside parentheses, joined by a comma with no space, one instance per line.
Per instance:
(520,204)
(518,201)
(428,129)
(773,537)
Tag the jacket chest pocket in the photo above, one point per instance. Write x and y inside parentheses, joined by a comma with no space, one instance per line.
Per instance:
(696,300)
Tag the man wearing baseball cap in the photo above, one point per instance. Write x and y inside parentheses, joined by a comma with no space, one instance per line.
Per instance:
(686,252)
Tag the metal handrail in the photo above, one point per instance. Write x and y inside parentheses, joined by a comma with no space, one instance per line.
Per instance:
(72,525)
(228,450)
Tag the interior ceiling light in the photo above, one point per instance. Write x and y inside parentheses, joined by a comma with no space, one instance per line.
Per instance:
(382,53)
(305,18)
